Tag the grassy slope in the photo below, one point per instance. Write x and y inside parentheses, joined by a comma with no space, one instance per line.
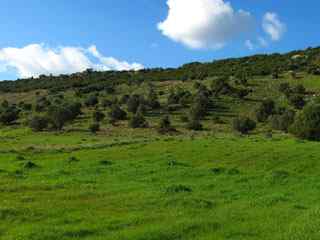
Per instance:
(135,184)
(232,188)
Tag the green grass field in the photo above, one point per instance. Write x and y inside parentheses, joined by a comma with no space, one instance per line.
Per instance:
(221,186)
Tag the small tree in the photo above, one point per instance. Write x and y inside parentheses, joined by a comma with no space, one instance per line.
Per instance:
(307,123)
(283,121)
(116,113)
(165,125)
(297,101)
(138,120)
(266,109)
(299,89)
(91,101)
(133,103)
(98,116)
(59,116)
(243,124)
(285,88)
(194,124)
(9,115)
(39,123)
(5,104)
(94,127)
(153,100)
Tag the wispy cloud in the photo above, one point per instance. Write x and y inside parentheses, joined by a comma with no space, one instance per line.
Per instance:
(273,26)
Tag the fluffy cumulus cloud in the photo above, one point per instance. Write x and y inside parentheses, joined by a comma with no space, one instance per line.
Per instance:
(273,26)
(204,23)
(36,59)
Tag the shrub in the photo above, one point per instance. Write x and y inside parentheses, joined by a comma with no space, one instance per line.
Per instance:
(116,113)
(42,104)
(299,89)
(9,115)
(194,124)
(134,102)
(124,99)
(26,106)
(138,121)
(200,107)
(165,125)
(266,108)
(98,116)
(243,125)
(59,116)
(91,101)
(5,104)
(220,86)
(106,103)
(283,121)
(153,100)
(75,110)
(285,88)
(38,123)
(297,101)
(307,123)
(94,127)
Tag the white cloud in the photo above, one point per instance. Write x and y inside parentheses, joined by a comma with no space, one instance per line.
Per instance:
(204,23)
(273,26)
(110,63)
(36,59)
(249,44)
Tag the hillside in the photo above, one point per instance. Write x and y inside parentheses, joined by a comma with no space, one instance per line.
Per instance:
(221,150)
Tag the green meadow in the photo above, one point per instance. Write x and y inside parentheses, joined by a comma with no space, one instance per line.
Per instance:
(214,186)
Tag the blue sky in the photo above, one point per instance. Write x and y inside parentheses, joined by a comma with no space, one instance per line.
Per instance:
(127,31)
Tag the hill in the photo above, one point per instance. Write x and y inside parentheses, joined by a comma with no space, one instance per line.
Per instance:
(221,150)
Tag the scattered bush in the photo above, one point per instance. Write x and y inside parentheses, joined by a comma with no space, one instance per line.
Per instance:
(266,109)
(9,115)
(59,116)
(283,121)
(98,116)
(116,113)
(165,125)
(133,103)
(91,101)
(138,121)
(39,123)
(94,127)
(307,123)
(243,124)
(297,101)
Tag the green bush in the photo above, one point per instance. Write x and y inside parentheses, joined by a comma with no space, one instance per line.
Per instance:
(244,124)
(9,115)
(91,101)
(116,113)
(283,121)
(138,121)
(38,123)
(98,116)
(165,125)
(194,124)
(307,123)
(266,109)
(94,127)
(297,101)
